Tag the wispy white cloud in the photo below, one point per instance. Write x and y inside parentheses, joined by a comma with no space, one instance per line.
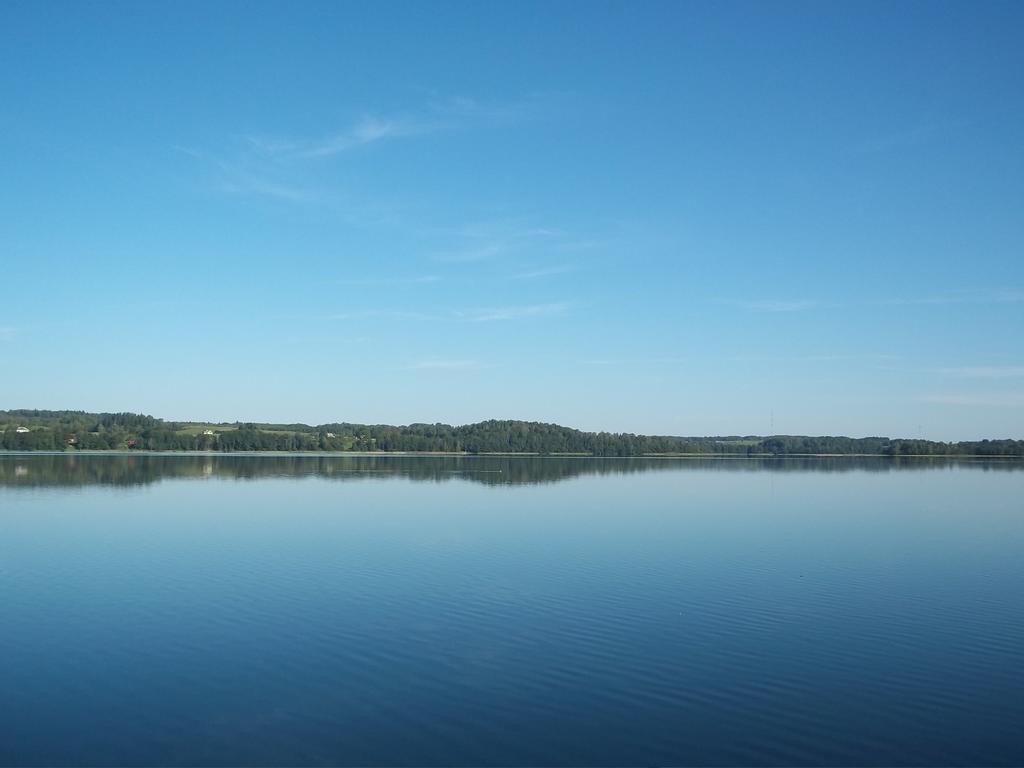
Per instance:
(413,280)
(574,246)
(190,151)
(242,176)
(488,240)
(824,357)
(996,400)
(382,314)
(506,230)
(436,116)
(468,110)
(533,274)
(270,147)
(477,315)
(278,167)
(632,361)
(472,254)
(352,340)
(1004,296)
(536,250)
(985,372)
(241,184)
(445,365)
(777,305)
(519,312)
(367,130)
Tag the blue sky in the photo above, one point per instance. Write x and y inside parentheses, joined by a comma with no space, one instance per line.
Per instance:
(667,218)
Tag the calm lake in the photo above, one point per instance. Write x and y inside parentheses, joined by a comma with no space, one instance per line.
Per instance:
(268,610)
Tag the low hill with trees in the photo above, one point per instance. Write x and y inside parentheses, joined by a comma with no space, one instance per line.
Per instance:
(27,430)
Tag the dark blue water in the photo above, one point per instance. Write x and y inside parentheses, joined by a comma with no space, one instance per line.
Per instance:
(290,611)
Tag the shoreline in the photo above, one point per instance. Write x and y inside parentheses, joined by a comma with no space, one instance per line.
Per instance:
(509,454)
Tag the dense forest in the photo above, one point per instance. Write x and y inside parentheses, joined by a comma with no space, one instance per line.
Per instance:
(26,430)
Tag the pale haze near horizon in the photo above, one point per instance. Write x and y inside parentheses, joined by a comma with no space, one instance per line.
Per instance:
(668,218)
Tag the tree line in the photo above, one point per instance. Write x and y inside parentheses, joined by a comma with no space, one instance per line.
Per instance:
(140,469)
(28,430)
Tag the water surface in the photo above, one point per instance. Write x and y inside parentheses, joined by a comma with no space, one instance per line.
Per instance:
(208,610)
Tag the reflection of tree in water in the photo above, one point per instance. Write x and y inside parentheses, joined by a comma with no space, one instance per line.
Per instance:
(82,469)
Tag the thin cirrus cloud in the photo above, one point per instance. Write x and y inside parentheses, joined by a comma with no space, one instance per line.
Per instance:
(825,357)
(488,240)
(985,372)
(998,400)
(437,116)
(534,274)
(244,177)
(477,315)
(367,130)
(472,254)
(241,184)
(381,314)
(1006,296)
(519,312)
(275,167)
(778,305)
(445,365)
(413,280)
(633,361)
